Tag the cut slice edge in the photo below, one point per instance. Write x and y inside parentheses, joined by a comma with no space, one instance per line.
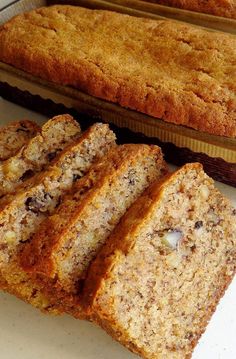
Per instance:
(91,145)
(38,152)
(14,135)
(104,287)
(50,252)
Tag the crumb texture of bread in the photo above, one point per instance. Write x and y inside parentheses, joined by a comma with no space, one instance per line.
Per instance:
(23,212)
(68,241)
(158,279)
(225,8)
(14,136)
(166,69)
(38,153)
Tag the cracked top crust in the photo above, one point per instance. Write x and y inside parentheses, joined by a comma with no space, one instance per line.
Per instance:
(173,71)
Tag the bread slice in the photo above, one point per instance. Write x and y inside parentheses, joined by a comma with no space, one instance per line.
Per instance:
(158,279)
(22,215)
(14,136)
(62,249)
(55,135)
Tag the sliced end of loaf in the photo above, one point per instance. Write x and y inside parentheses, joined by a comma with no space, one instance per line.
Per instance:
(38,153)
(158,279)
(14,136)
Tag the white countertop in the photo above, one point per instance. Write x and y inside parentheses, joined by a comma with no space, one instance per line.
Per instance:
(25,333)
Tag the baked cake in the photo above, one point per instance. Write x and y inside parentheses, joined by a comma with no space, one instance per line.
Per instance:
(158,279)
(167,69)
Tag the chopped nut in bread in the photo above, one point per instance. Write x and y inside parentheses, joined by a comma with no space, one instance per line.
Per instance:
(23,212)
(14,136)
(54,136)
(61,251)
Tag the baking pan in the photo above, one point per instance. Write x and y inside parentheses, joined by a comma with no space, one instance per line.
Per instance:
(155,11)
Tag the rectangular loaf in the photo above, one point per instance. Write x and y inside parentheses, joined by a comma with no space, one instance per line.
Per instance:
(22,213)
(158,279)
(61,251)
(166,69)
(226,8)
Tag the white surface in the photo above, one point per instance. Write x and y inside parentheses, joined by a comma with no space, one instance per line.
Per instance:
(25,333)
(3,3)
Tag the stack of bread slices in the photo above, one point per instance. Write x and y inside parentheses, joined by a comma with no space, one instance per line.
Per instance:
(104,232)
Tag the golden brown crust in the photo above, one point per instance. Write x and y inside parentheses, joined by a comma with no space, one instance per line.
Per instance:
(166,69)
(14,136)
(226,8)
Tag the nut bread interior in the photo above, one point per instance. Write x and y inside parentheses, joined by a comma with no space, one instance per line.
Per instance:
(60,252)
(14,136)
(37,154)
(158,279)
(23,213)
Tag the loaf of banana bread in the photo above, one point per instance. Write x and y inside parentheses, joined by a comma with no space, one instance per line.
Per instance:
(14,136)
(160,275)
(35,200)
(66,243)
(170,70)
